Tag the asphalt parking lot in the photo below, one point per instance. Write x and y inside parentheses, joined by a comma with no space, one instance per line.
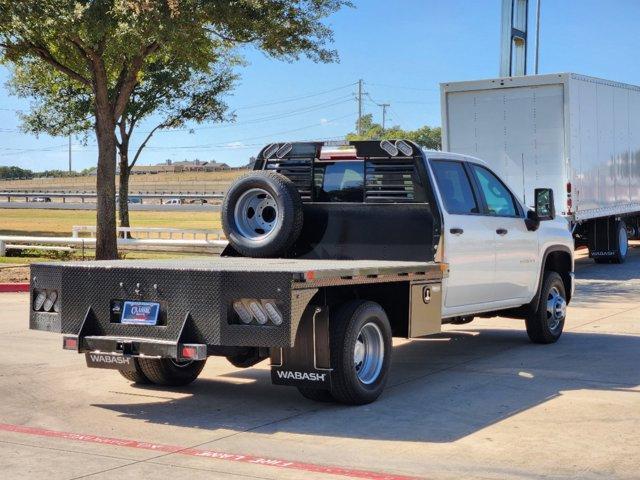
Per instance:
(479,401)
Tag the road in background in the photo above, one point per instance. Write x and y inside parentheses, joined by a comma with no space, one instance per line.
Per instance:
(148,207)
(478,401)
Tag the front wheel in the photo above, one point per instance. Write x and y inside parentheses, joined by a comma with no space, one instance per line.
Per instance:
(360,352)
(169,372)
(545,325)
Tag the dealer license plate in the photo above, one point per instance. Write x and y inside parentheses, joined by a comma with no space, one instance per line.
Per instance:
(140,313)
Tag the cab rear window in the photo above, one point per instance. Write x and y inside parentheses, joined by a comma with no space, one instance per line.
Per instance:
(339,181)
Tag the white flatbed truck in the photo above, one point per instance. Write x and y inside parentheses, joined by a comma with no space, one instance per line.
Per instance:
(329,257)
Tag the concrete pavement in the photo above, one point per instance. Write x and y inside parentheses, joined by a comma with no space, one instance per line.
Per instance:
(479,401)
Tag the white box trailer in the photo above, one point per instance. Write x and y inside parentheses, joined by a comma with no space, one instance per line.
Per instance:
(578,135)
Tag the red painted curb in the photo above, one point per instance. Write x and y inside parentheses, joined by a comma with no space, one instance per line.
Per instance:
(14,287)
(216,454)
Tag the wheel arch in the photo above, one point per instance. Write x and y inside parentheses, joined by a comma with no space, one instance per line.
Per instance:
(557,258)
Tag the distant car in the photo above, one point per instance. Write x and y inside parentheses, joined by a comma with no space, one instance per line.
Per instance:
(41,199)
(198,201)
(134,200)
(174,201)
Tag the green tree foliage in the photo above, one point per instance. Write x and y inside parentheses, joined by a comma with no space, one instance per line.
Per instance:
(15,173)
(173,92)
(427,137)
(107,46)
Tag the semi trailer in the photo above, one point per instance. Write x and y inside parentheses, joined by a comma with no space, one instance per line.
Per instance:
(578,135)
(330,255)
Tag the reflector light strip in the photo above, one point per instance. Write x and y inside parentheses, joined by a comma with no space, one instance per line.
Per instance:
(215,454)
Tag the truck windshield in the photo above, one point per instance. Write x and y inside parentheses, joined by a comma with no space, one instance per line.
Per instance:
(339,181)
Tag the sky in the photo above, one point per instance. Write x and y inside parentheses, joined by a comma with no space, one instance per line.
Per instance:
(401,49)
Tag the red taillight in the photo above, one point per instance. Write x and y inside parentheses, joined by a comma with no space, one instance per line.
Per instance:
(189,352)
(310,275)
(69,343)
(568,187)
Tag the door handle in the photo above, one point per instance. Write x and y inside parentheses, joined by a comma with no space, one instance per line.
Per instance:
(502,231)
(456,231)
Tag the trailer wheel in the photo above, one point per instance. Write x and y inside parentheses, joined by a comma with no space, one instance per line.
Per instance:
(166,371)
(316,394)
(136,376)
(622,243)
(546,324)
(262,214)
(360,352)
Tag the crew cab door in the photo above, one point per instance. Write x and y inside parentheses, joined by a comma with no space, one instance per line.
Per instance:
(516,248)
(469,240)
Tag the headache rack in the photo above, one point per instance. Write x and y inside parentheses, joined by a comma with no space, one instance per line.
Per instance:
(392,168)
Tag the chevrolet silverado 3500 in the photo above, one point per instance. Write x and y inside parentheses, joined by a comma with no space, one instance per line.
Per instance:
(330,255)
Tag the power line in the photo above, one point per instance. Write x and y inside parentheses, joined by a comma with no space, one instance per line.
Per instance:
(294,99)
(208,146)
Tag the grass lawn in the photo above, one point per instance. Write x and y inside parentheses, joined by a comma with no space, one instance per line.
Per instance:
(58,223)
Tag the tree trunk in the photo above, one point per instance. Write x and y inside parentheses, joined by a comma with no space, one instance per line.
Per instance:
(123,189)
(106,241)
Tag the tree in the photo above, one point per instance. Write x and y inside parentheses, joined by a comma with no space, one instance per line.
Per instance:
(427,137)
(173,92)
(108,45)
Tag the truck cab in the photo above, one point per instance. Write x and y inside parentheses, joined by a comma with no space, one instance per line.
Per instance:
(495,252)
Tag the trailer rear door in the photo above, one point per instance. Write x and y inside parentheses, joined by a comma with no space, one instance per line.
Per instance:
(518,131)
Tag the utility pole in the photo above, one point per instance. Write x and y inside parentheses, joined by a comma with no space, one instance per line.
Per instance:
(359,129)
(69,153)
(384,115)
(537,62)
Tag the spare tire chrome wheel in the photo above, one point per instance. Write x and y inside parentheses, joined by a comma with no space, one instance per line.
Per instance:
(262,214)
(256,214)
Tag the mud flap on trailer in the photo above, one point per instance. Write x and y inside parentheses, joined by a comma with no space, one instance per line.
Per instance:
(603,239)
(308,364)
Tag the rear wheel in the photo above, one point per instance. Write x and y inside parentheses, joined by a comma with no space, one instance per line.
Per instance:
(360,352)
(166,371)
(135,376)
(622,245)
(547,323)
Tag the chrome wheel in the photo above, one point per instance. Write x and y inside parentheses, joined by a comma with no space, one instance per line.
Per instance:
(368,353)
(623,241)
(556,309)
(256,214)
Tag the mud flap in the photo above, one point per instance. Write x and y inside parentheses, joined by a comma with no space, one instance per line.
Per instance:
(110,361)
(603,239)
(308,363)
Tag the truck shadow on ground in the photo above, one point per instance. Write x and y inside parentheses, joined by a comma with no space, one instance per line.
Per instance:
(440,390)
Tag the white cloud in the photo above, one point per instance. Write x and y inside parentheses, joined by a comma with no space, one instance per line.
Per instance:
(324,121)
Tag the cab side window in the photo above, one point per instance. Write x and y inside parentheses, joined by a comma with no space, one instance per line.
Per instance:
(499,200)
(455,187)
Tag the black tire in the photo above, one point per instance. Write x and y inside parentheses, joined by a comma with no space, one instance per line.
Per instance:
(165,371)
(285,212)
(345,327)
(622,243)
(316,395)
(541,326)
(136,376)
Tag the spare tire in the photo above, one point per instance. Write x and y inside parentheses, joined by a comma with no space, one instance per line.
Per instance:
(262,214)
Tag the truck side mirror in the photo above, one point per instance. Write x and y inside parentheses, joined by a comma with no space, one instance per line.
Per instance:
(544,207)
